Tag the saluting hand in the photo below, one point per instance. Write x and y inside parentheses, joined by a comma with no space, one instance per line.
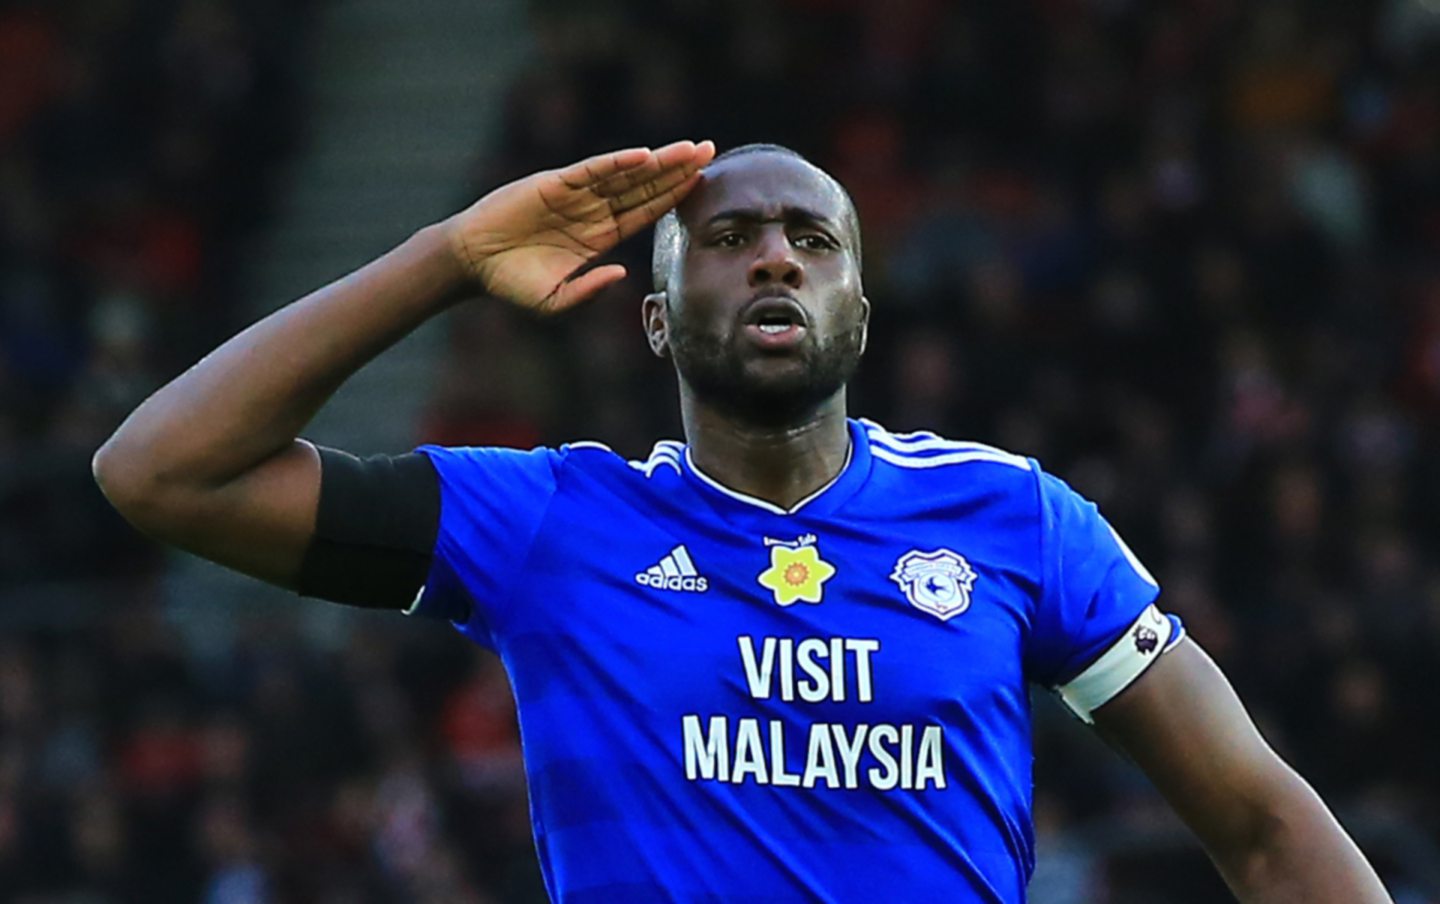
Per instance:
(524,241)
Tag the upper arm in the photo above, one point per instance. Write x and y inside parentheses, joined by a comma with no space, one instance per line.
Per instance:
(260,522)
(493,502)
(1182,723)
(1094,627)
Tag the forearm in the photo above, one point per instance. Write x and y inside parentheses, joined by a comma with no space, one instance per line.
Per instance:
(1297,852)
(251,397)
(212,462)
(1267,831)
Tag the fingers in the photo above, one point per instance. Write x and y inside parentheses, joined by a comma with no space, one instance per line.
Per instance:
(626,181)
(603,169)
(592,171)
(634,188)
(647,201)
(686,152)
(652,188)
(582,287)
(673,157)
(632,221)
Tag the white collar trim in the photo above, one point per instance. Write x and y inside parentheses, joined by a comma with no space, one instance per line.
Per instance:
(765,504)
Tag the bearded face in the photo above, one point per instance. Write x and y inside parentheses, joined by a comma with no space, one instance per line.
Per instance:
(722,372)
(762,311)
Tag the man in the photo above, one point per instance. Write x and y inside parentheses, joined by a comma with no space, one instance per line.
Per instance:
(788,660)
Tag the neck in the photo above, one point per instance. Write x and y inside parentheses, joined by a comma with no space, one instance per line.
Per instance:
(781,464)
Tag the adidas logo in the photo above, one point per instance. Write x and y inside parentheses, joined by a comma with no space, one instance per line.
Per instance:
(674,572)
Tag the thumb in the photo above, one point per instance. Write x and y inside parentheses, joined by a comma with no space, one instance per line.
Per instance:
(583,287)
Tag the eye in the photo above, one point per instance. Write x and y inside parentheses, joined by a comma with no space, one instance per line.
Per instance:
(728,240)
(815,241)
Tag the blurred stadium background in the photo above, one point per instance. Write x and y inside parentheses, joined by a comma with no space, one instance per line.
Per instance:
(1185,251)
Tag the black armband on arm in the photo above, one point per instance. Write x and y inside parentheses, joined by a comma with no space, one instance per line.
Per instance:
(375,529)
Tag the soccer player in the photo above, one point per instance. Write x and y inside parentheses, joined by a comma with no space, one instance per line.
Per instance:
(788,659)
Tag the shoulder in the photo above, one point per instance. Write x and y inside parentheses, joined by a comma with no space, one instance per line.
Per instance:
(957,476)
(664,459)
(599,460)
(930,453)
(931,463)
(584,456)
(462,461)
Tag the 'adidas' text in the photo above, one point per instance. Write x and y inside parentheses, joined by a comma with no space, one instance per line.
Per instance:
(674,572)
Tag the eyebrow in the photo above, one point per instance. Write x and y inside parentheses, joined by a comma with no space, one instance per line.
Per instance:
(788,214)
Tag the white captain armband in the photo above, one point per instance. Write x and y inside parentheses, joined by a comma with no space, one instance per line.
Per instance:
(1151,635)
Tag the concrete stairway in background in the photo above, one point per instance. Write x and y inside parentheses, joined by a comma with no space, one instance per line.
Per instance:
(405,98)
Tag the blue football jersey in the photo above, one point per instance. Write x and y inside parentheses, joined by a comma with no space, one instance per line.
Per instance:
(723,700)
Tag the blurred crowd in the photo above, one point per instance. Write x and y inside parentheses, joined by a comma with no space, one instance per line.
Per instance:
(1184,252)
(134,143)
(130,771)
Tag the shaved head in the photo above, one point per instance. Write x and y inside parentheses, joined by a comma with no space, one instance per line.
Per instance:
(758,298)
(669,246)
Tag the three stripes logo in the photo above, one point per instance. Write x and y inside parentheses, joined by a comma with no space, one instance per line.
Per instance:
(674,572)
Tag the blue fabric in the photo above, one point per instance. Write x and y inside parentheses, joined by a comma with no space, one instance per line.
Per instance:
(1092,593)
(724,743)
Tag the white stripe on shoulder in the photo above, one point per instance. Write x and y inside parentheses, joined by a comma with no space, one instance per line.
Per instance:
(932,443)
(590,444)
(876,429)
(953,458)
(666,453)
(648,468)
(927,450)
(925,441)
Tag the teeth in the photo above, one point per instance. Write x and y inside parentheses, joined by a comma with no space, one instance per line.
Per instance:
(774,327)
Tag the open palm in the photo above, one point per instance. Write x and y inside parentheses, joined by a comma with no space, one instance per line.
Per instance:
(525,241)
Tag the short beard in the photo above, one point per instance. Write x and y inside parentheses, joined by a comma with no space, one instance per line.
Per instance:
(715,373)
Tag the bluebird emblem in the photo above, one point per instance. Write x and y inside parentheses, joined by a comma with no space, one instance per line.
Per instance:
(938,582)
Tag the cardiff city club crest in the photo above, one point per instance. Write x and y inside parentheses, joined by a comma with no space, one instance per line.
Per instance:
(938,582)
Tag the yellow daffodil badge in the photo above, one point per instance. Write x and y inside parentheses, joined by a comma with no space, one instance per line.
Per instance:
(796,575)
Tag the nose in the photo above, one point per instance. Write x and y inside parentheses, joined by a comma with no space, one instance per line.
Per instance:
(775,261)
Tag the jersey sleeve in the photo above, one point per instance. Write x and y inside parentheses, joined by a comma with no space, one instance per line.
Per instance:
(1096,628)
(492,503)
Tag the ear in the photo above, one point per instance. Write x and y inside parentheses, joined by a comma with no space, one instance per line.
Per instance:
(864,323)
(654,317)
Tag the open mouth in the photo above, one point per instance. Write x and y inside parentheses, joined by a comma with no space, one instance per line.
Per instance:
(773,326)
(774,315)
